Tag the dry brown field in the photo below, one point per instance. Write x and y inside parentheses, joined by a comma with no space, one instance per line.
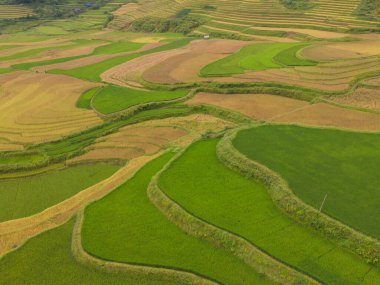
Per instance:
(273,108)
(38,107)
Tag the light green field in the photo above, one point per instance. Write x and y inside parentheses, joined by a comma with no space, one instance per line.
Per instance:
(206,188)
(47,259)
(257,57)
(112,98)
(27,196)
(126,227)
(317,162)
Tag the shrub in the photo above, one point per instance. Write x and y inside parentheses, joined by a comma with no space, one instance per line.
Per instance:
(181,24)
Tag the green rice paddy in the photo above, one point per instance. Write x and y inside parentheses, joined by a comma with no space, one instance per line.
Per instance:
(126,227)
(316,162)
(206,188)
(257,57)
(29,195)
(47,259)
(112,98)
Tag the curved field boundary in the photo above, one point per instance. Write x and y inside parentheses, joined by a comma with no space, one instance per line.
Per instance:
(220,238)
(139,107)
(133,270)
(15,233)
(366,247)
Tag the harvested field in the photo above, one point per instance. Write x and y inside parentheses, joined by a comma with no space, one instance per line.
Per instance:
(286,110)
(125,9)
(93,71)
(361,98)
(345,50)
(322,114)
(39,107)
(373,81)
(89,60)
(149,137)
(256,106)
(134,69)
(179,68)
(54,54)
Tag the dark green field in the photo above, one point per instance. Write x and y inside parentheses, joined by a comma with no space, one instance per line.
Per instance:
(316,162)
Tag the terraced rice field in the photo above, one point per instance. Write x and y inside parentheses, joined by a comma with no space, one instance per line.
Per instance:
(42,107)
(148,138)
(60,267)
(30,195)
(345,172)
(156,234)
(112,99)
(271,108)
(204,187)
(257,57)
(14,11)
(248,156)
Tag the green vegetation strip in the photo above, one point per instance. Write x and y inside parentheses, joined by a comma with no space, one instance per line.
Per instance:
(206,188)
(152,239)
(112,48)
(346,163)
(257,57)
(92,72)
(48,259)
(30,195)
(111,99)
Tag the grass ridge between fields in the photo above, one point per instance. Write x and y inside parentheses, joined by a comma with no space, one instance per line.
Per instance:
(265,264)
